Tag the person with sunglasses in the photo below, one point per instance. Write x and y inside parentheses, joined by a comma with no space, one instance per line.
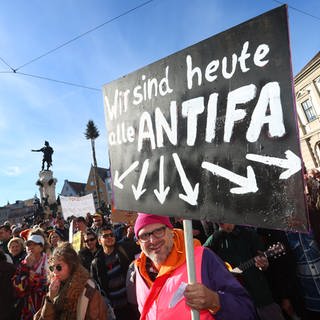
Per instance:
(72,293)
(109,268)
(87,253)
(161,278)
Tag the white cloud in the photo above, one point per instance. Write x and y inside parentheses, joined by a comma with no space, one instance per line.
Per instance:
(12,171)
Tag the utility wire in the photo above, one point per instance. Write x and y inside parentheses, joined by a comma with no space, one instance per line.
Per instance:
(301,11)
(82,35)
(5,62)
(58,81)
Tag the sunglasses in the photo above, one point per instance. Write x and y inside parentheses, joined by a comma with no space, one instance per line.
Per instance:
(107,235)
(89,240)
(58,267)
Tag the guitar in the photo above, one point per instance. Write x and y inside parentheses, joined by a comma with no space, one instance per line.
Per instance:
(275,251)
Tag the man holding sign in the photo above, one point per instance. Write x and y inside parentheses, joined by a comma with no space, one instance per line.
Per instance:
(161,277)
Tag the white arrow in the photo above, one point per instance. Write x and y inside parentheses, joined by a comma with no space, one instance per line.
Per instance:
(247,184)
(191,195)
(117,179)
(138,191)
(163,192)
(292,163)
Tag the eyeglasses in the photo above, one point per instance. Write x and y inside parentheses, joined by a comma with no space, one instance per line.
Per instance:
(89,240)
(107,235)
(157,233)
(58,267)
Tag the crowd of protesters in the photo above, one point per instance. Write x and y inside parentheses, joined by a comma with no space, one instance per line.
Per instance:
(123,271)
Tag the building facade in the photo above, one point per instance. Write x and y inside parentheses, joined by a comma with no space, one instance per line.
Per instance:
(17,212)
(307,91)
(73,189)
(104,181)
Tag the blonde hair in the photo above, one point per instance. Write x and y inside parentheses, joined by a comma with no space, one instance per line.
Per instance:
(17,240)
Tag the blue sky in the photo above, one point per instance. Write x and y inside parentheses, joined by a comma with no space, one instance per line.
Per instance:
(33,110)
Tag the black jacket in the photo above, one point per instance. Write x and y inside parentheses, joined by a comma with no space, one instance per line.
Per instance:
(112,278)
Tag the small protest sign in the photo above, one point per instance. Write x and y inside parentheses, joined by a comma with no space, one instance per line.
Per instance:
(77,206)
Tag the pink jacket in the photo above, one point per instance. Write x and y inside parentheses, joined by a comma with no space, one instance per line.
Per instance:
(164,307)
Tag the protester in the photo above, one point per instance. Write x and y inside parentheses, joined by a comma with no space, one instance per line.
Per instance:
(5,236)
(197,228)
(72,294)
(55,237)
(16,247)
(129,242)
(307,255)
(60,227)
(30,279)
(80,224)
(7,297)
(16,231)
(281,274)
(87,253)
(236,245)
(98,222)
(109,268)
(161,277)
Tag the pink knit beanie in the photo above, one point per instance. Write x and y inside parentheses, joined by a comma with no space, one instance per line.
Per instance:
(144,219)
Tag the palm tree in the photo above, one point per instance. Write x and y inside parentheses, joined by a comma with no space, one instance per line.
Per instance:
(91,134)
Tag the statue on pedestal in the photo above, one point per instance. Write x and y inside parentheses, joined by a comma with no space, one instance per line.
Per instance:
(47,155)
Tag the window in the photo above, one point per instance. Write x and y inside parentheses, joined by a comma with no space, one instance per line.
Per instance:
(318,83)
(309,110)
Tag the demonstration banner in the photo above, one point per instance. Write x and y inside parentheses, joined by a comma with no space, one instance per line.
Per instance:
(77,206)
(210,132)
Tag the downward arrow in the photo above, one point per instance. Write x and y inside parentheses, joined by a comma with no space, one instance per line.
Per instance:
(247,184)
(163,192)
(138,191)
(117,179)
(292,163)
(191,195)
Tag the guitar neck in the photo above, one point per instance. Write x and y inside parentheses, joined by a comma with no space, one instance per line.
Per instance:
(246,265)
(250,263)
(275,251)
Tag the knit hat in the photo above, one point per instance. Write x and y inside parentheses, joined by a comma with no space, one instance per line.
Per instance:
(145,219)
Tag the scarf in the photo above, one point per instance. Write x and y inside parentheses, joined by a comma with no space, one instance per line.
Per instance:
(67,301)
(176,258)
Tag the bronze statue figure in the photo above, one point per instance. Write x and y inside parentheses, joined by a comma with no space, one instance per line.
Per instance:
(47,155)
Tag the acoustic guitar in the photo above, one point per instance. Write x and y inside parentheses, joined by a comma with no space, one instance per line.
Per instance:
(274,251)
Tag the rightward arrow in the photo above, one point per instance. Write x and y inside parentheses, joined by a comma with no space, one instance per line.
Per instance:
(292,162)
(118,180)
(138,191)
(162,193)
(191,195)
(247,184)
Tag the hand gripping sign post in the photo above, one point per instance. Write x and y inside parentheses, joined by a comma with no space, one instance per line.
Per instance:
(210,132)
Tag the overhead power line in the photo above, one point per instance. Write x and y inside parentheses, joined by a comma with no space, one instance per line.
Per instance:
(6,63)
(82,35)
(299,10)
(55,80)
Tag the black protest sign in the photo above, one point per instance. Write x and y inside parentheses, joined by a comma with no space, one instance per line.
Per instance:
(210,132)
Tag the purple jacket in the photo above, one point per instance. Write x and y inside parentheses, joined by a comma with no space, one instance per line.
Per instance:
(234,299)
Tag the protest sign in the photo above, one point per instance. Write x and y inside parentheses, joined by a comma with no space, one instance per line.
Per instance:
(210,132)
(77,206)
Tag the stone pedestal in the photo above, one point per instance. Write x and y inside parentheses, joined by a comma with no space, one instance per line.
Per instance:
(47,187)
